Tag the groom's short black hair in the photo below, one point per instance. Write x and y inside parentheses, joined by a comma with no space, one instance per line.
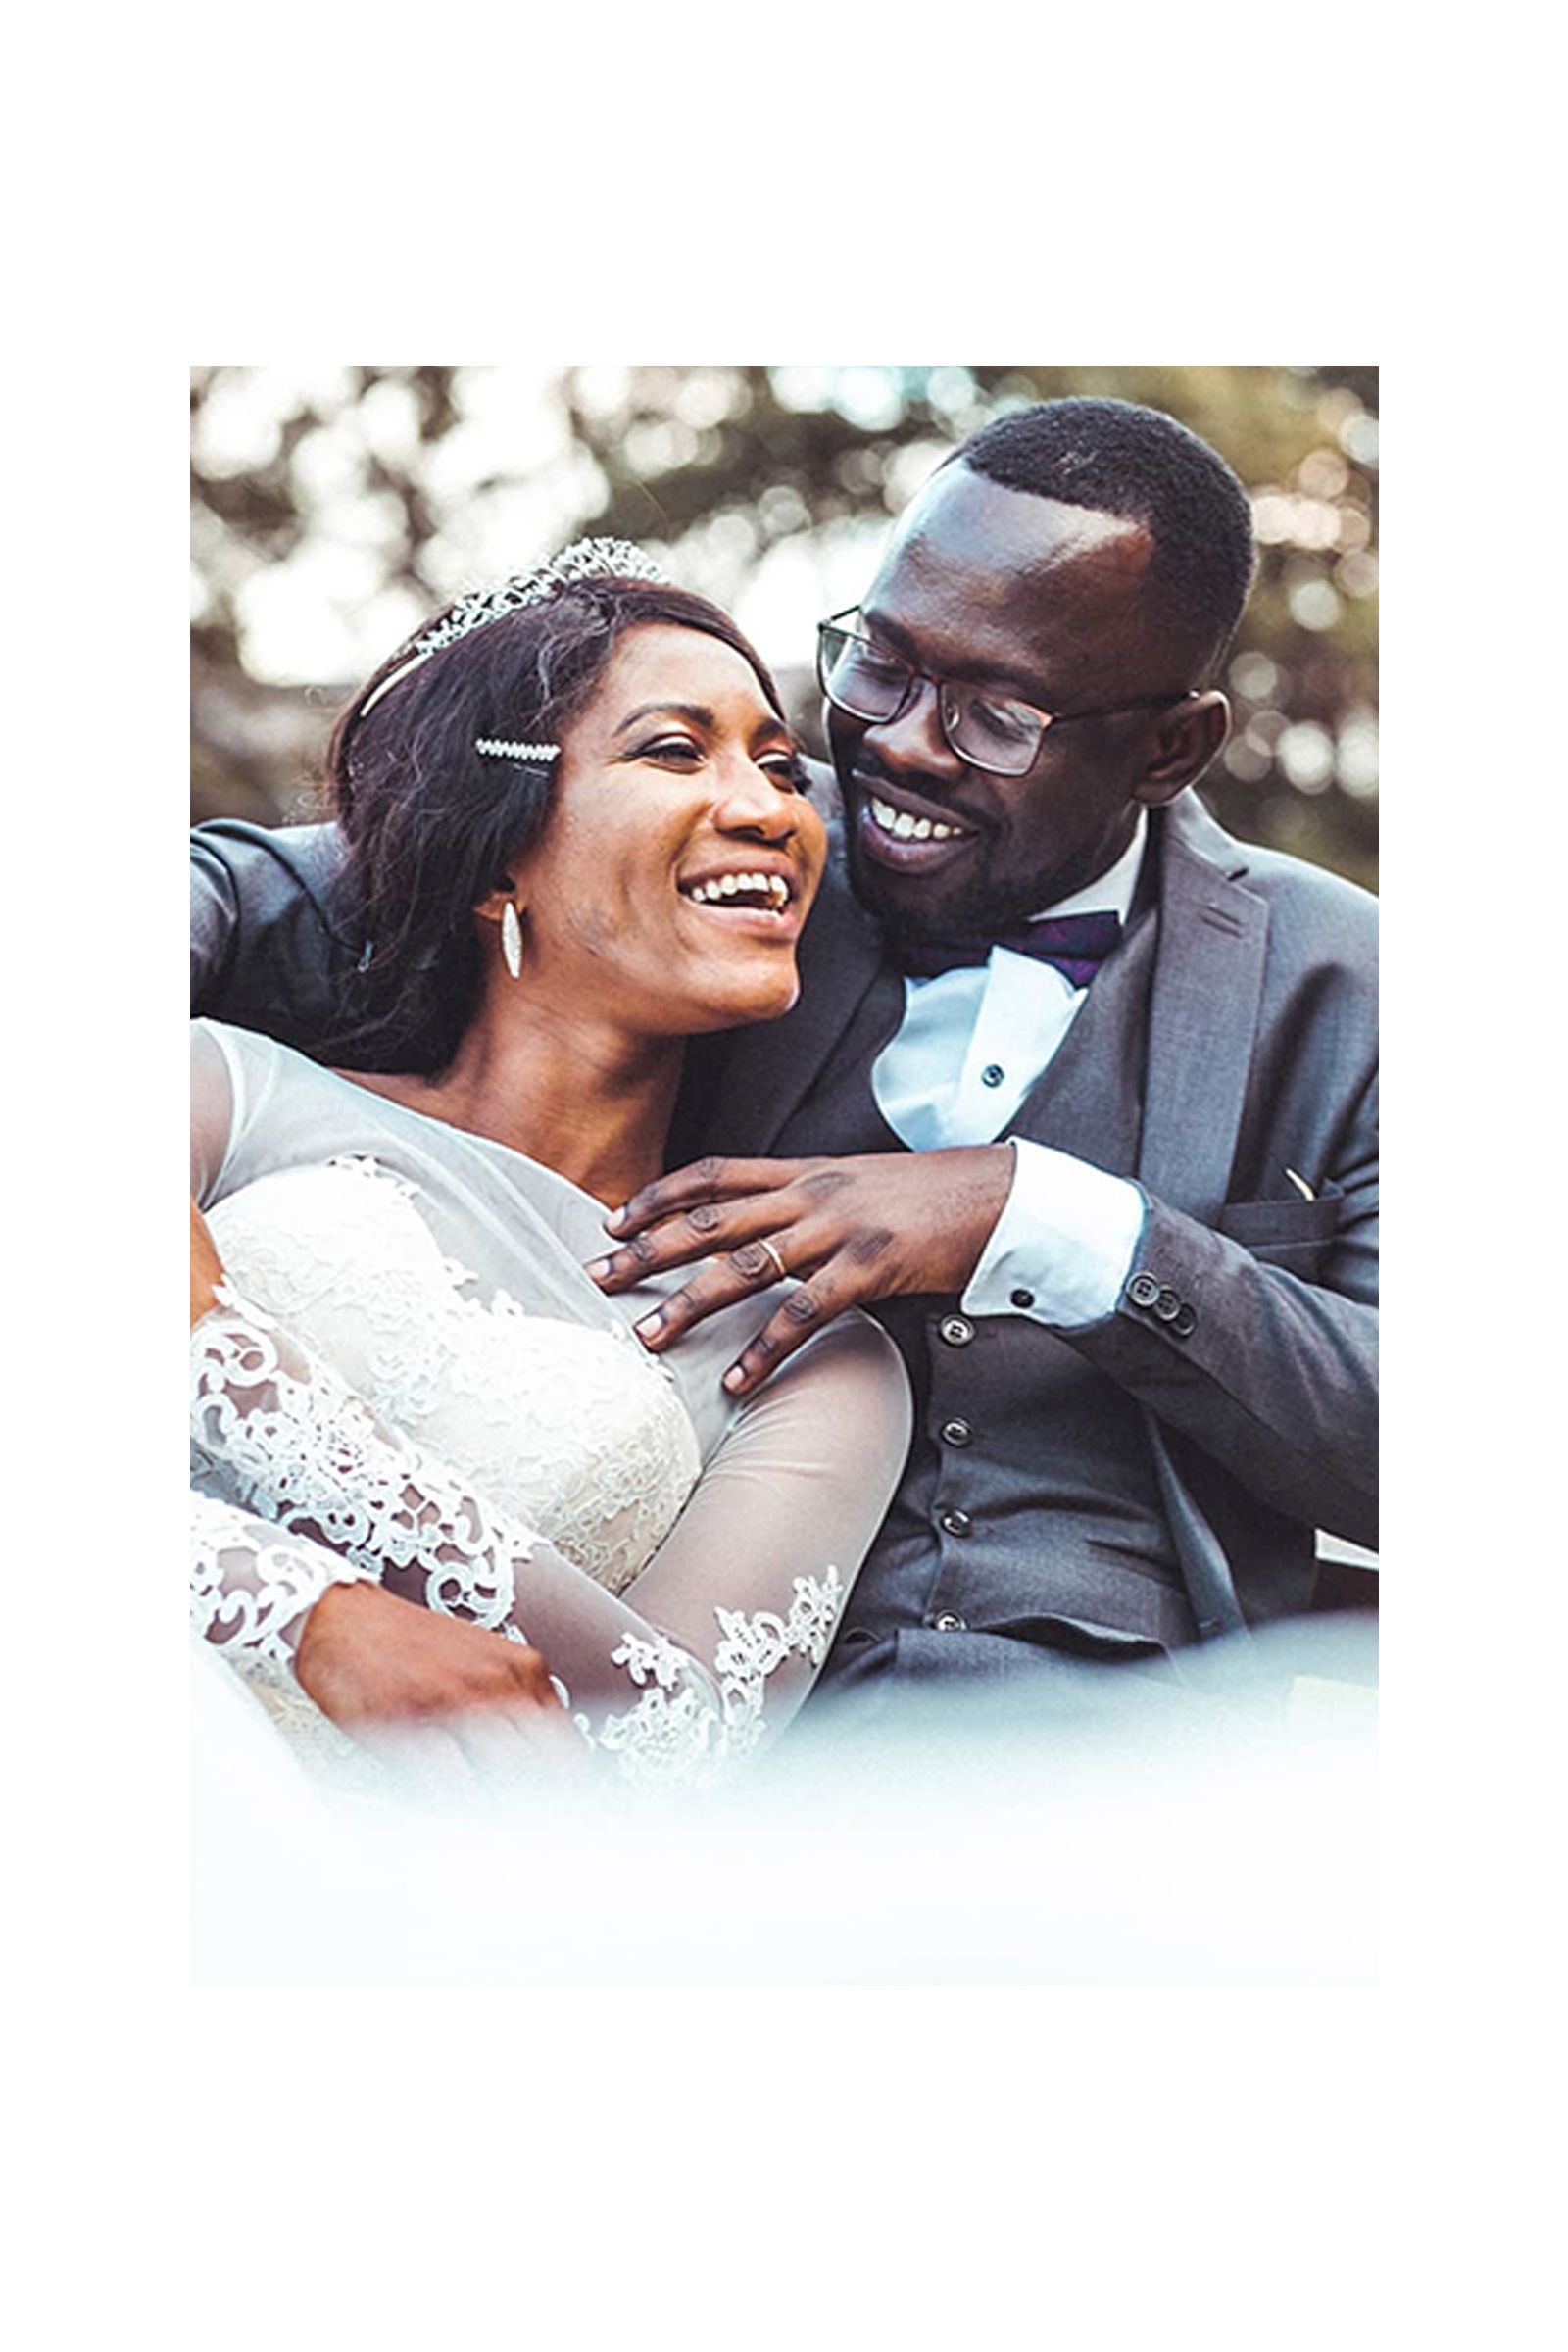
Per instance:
(1119,457)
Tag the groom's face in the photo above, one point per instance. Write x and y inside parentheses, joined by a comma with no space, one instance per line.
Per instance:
(1043,603)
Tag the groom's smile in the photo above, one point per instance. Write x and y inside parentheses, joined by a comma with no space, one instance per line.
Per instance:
(991,598)
(905,830)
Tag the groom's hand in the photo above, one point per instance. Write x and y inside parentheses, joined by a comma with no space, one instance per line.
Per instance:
(884,1226)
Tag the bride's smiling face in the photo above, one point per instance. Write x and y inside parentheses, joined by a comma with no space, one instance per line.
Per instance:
(681,854)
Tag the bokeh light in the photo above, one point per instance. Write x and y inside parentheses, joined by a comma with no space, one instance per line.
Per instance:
(335,506)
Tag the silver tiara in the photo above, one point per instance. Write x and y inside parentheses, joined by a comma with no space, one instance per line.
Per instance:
(583,559)
(493,748)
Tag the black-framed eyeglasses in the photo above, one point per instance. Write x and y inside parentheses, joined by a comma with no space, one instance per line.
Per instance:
(992,731)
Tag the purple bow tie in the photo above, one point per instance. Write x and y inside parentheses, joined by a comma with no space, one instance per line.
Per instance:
(1076,945)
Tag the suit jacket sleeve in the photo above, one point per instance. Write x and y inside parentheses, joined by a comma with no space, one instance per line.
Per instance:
(1256,1338)
(264,951)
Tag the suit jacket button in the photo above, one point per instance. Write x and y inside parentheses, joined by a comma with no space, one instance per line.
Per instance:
(1167,1306)
(949,1623)
(956,1523)
(957,1330)
(1184,1322)
(957,1433)
(1143,1290)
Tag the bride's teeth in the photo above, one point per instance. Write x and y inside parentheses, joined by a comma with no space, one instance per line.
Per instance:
(922,828)
(771,886)
(905,828)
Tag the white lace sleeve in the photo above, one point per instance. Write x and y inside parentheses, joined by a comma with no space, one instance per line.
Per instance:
(735,1610)
(253,1584)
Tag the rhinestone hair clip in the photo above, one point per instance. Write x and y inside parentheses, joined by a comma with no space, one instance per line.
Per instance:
(538,754)
(584,560)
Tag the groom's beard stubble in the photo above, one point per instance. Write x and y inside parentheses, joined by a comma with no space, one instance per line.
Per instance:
(943,907)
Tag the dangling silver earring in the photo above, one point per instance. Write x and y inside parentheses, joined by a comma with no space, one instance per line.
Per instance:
(511,940)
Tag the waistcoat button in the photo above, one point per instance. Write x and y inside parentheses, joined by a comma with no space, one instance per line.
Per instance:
(947,1623)
(957,1433)
(956,1523)
(957,1330)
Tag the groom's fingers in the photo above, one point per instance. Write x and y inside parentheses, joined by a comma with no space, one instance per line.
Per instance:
(704,1231)
(828,1275)
(851,1230)
(794,1319)
(829,1293)
(704,1180)
(746,1272)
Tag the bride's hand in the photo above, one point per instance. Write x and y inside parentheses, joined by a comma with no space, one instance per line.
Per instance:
(373,1663)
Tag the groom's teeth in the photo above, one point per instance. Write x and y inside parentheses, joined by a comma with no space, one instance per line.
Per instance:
(904,827)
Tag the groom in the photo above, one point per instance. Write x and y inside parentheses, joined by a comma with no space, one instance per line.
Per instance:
(1079,1096)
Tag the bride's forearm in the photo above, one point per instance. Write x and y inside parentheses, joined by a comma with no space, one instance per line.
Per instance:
(674,1698)
(206,1267)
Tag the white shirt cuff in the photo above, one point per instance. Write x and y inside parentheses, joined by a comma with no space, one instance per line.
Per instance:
(1064,1243)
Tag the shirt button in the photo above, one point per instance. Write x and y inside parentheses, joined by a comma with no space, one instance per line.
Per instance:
(956,1523)
(1167,1306)
(1143,1290)
(993,1074)
(957,1433)
(947,1623)
(1023,1299)
(957,1330)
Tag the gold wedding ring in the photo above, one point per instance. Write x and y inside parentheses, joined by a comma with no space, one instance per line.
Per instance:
(782,1269)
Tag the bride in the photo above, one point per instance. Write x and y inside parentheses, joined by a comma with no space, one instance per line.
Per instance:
(576,836)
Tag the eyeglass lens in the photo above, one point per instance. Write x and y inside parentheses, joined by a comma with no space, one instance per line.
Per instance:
(870,683)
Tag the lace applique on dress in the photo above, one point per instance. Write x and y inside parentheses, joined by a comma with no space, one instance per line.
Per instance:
(250,1585)
(288,1439)
(578,1432)
(682,1729)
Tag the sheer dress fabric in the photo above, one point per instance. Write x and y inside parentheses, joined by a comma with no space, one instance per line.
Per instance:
(409,1378)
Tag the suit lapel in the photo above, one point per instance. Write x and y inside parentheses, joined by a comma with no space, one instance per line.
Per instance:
(1203,1009)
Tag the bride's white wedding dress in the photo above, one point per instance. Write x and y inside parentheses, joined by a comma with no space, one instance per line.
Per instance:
(409,1378)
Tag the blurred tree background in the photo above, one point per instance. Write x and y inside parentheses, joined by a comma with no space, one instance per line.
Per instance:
(335,507)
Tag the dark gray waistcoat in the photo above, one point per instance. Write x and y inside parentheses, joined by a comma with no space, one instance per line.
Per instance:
(1031,1496)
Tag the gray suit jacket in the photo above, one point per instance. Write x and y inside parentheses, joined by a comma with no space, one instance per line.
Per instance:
(1247,1338)
(1248,1335)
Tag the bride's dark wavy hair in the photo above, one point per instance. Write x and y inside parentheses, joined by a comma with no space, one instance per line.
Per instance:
(431,825)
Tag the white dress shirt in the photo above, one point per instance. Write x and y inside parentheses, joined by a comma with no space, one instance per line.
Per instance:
(969,1048)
